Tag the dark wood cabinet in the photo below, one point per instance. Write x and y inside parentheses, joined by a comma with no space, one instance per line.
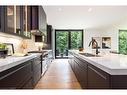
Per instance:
(39,23)
(37,70)
(1,18)
(26,21)
(23,76)
(81,72)
(16,77)
(97,78)
(35,17)
(88,75)
(49,36)
(21,20)
(16,20)
(10,19)
(38,19)
(92,77)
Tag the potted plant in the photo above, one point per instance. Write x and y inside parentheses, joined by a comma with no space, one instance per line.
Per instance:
(3,50)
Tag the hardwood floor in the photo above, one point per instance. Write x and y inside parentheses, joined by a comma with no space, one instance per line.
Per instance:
(59,76)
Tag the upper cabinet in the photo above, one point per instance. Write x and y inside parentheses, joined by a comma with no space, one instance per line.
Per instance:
(35,21)
(27,21)
(10,19)
(16,20)
(18,28)
(22,20)
(39,24)
(1,19)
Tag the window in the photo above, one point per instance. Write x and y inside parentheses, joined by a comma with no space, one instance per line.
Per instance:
(67,39)
(123,41)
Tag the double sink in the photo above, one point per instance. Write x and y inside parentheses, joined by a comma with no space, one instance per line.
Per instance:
(89,55)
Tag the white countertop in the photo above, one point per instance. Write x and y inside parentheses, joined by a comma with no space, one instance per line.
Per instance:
(114,64)
(12,61)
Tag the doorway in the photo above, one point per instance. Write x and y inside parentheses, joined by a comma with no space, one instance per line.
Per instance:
(66,40)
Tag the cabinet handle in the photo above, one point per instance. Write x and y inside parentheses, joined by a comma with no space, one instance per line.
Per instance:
(97,72)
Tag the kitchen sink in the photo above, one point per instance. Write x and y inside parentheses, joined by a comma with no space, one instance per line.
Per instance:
(89,55)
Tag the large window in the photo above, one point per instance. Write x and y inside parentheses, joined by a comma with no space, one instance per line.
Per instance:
(67,39)
(123,41)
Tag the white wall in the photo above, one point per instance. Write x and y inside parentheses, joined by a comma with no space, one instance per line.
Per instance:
(113,32)
(88,34)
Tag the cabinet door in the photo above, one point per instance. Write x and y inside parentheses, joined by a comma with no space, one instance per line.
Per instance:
(34,23)
(49,36)
(81,74)
(18,20)
(9,19)
(17,77)
(97,78)
(27,21)
(36,70)
(1,19)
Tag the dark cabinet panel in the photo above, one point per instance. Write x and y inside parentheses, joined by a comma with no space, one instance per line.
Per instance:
(36,70)
(17,78)
(49,36)
(28,84)
(18,20)
(92,77)
(2,18)
(81,73)
(23,76)
(27,21)
(97,78)
(9,19)
(39,23)
(35,17)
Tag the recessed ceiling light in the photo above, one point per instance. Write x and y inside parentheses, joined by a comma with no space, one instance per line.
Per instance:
(59,9)
(90,9)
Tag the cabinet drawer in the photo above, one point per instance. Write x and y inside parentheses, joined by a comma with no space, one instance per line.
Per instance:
(16,78)
(28,84)
(36,77)
(97,78)
(37,67)
(81,63)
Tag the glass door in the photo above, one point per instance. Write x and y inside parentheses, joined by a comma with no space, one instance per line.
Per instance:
(61,44)
(66,40)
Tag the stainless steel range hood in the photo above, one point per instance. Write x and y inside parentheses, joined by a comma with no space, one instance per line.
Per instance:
(37,32)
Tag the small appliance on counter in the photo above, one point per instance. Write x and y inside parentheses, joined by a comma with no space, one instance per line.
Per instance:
(3,50)
(3,53)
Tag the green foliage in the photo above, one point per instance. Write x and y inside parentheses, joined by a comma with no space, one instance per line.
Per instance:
(123,42)
(3,46)
(76,40)
(62,40)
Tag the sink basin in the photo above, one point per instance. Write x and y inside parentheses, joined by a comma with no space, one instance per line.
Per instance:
(89,55)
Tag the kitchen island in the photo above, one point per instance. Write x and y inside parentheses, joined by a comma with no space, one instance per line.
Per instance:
(100,72)
(20,72)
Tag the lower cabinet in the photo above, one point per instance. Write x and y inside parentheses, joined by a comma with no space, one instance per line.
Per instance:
(91,77)
(88,75)
(97,78)
(23,76)
(80,73)
(16,77)
(36,70)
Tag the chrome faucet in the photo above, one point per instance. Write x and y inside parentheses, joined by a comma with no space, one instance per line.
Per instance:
(94,41)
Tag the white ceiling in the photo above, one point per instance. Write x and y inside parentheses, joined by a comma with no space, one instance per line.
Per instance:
(84,16)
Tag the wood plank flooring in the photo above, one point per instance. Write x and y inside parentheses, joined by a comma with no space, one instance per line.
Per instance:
(59,76)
